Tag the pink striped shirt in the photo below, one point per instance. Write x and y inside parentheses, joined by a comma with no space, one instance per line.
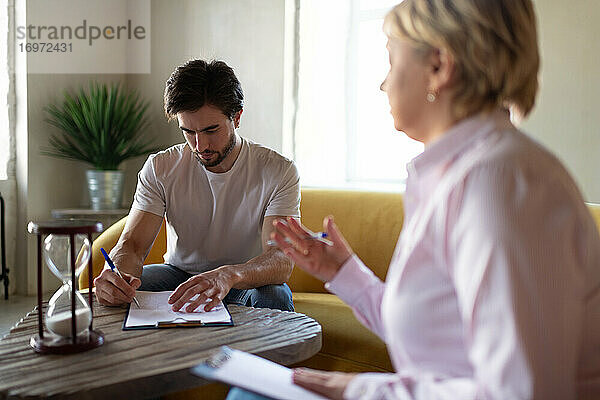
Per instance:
(493,291)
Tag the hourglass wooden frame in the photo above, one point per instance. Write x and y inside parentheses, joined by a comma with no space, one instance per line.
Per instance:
(71,228)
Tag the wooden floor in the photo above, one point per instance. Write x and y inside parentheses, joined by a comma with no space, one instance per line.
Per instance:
(13,309)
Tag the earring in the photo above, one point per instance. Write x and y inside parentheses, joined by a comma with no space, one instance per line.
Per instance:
(431,95)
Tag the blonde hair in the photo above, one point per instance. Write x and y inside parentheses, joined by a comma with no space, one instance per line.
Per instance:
(493,44)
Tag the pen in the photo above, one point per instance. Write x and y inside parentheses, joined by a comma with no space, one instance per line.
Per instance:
(112,266)
(316,236)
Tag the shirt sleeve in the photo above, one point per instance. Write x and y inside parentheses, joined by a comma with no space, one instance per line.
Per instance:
(286,199)
(513,250)
(149,194)
(362,290)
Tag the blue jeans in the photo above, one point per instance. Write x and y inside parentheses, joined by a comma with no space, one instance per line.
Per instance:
(236,393)
(158,277)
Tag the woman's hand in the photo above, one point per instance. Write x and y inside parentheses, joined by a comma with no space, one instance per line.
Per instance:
(328,384)
(320,258)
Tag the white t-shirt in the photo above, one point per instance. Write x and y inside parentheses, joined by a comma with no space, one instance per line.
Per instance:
(216,219)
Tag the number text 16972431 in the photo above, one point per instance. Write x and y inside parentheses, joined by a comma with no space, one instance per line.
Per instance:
(46,47)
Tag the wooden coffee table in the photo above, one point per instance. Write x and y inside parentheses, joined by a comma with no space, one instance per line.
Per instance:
(146,363)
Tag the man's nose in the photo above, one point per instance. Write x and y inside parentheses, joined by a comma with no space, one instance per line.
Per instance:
(201,142)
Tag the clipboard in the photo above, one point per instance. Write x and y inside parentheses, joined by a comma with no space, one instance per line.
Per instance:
(253,373)
(156,313)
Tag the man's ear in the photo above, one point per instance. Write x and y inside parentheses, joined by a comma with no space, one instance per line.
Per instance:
(441,69)
(237,117)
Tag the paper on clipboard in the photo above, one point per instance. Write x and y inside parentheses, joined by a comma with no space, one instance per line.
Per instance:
(253,373)
(156,312)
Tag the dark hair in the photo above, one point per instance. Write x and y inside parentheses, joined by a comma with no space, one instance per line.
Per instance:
(197,82)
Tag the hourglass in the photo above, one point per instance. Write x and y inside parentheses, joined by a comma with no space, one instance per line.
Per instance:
(68,317)
(57,253)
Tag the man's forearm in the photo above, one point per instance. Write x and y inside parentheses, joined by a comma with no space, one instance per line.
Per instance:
(127,259)
(270,267)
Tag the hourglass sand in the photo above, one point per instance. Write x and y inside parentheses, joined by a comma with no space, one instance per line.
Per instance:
(69,318)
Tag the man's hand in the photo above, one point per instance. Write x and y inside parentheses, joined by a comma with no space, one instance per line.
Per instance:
(325,383)
(112,290)
(212,285)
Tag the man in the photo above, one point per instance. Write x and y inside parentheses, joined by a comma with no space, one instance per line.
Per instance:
(218,194)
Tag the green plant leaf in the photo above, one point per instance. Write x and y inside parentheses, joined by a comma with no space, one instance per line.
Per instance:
(102,126)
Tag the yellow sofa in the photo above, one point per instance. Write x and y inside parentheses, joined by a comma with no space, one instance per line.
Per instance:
(371,222)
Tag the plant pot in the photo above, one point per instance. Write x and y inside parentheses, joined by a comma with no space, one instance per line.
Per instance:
(106,189)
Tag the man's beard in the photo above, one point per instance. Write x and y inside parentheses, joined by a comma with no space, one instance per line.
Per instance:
(221,155)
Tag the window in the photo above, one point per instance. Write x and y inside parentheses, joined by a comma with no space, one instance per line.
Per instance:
(344,134)
(4,87)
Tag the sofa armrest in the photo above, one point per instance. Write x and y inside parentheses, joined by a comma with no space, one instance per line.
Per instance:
(108,239)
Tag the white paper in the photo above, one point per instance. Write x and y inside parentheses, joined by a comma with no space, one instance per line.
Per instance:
(155,308)
(256,374)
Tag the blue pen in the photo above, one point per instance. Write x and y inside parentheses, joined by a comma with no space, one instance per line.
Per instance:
(112,266)
(316,236)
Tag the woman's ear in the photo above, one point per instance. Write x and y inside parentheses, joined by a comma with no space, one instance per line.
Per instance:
(441,71)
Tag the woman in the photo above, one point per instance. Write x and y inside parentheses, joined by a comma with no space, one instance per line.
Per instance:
(494,288)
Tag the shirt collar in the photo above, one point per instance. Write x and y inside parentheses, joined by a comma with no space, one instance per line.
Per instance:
(455,140)
(239,161)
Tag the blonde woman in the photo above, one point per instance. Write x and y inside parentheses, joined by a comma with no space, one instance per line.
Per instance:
(494,288)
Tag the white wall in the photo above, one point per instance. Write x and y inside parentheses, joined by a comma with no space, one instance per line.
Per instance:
(246,34)
(566,118)
(51,182)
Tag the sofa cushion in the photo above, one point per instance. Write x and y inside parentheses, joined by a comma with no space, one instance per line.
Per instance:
(370,221)
(347,344)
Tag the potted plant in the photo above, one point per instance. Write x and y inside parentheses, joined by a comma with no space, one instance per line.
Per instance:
(103,127)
